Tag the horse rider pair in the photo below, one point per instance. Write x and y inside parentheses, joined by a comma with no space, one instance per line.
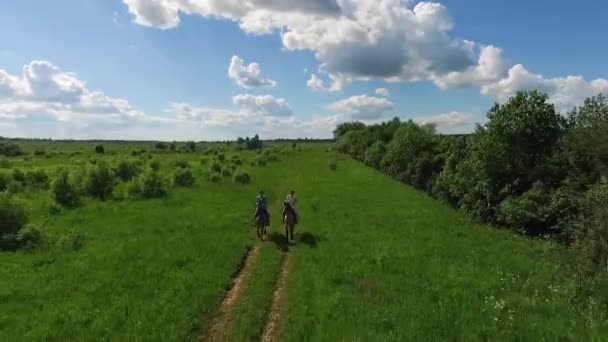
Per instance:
(262,206)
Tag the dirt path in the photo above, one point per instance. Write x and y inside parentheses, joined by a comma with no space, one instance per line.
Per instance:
(279,299)
(216,333)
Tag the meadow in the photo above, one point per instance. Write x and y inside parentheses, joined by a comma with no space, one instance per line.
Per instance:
(374,259)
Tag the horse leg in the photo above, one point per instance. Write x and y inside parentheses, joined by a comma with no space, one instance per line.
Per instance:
(291,228)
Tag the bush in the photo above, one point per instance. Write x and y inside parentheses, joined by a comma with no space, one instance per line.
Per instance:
(242,178)
(333,165)
(5,163)
(226,173)
(261,161)
(54,209)
(215,167)
(153,185)
(237,162)
(100,149)
(155,165)
(71,239)
(272,157)
(127,169)
(134,188)
(9,149)
(13,216)
(215,177)
(221,157)
(19,175)
(64,191)
(99,182)
(591,247)
(183,164)
(204,161)
(5,181)
(29,235)
(39,152)
(183,177)
(37,179)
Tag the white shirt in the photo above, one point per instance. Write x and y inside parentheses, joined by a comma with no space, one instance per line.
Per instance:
(292,202)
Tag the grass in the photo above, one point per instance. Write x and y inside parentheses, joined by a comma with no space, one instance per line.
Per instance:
(374,261)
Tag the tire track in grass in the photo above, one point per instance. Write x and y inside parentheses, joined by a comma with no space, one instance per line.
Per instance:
(218,327)
(279,300)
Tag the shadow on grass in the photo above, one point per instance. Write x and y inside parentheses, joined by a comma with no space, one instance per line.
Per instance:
(309,239)
(279,241)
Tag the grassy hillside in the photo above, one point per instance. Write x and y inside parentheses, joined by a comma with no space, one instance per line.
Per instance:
(374,261)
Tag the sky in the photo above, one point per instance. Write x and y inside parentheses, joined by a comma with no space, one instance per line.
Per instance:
(219,69)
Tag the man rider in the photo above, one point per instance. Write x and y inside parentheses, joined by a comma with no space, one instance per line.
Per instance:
(293,201)
(261,204)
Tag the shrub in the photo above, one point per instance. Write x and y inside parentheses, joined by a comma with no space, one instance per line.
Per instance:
(242,178)
(161,146)
(221,157)
(155,165)
(37,179)
(204,161)
(71,239)
(215,177)
(19,175)
(226,173)
(333,164)
(127,169)
(64,191)
(272,157)
(39,152)
(29,235)
(54,209)
(13,216)
(153,185)
(183,177)
(100,149)
(138,152)
(590,247)
(134,189)
(5,181)
(9,149)
(5,163)
(215,167)
(99,182)
(237,162)
(183,164)
(261,161)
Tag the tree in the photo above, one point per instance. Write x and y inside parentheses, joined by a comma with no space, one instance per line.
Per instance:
(99,149)
(343,128)
(161,146)
(191,146)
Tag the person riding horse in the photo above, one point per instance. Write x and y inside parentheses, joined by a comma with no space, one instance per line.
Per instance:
(261,207)
(293,201)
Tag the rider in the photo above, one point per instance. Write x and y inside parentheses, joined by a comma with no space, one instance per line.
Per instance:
(293,201)
(262,204)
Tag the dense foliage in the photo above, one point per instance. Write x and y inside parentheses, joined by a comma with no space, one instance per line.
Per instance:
(528,167)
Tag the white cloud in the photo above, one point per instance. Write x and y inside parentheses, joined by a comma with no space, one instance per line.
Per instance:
(315,83)
(391,40)
(450,123)
(363,107)
(247,76)
(383,92)
(265,105)
(565,92)
(43,93)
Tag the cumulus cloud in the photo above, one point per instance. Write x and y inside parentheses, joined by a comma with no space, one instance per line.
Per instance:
(383,92)
(247,76)
(392,40)
(363,107)
(565,92)
(449,123)
(45,91)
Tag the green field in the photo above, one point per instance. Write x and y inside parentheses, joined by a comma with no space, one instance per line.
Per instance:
(374,260)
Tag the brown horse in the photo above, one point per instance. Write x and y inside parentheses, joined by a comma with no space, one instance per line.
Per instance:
(262,221)
(289,218)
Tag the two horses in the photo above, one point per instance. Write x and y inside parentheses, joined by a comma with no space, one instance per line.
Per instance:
(262,222)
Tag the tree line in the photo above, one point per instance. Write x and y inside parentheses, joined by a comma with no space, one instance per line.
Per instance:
(528,168)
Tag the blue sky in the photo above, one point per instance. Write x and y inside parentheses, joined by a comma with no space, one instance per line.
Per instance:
(162,67)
